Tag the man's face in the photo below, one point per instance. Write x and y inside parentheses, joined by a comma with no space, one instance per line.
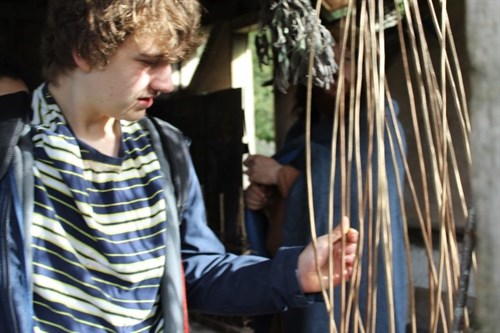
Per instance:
(325,98)
(125,88)
(337,49)
(9,85)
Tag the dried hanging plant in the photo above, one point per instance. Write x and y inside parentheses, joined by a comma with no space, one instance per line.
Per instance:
(287,30)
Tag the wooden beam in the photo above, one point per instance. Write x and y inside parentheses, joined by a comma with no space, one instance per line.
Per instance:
(22,11)
(483,42)
(216,11)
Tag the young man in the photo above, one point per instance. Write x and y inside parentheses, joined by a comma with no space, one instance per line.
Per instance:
(93,230)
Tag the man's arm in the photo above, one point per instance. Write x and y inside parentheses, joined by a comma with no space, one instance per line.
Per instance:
(224,283)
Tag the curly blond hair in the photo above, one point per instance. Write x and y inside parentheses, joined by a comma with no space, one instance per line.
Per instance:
(95,29)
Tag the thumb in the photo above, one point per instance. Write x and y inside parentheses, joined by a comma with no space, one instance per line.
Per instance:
(341,229)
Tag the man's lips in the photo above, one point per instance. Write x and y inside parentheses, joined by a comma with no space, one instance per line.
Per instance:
(147,102)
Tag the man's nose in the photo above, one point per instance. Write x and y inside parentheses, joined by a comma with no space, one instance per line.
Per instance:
(162,79)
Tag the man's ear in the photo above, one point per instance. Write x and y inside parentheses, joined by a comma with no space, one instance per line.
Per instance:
(81,62)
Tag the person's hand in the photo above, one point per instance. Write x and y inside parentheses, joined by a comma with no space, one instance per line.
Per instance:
(262,169)
(10,86)
(256,196)
(308,275)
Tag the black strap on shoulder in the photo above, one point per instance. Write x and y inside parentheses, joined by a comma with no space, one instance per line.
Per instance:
(169,146)
(15,112)
(176,151)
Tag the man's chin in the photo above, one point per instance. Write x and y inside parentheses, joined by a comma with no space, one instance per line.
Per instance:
(135,116)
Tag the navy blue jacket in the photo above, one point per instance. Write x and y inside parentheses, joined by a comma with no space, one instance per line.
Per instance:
(217,282)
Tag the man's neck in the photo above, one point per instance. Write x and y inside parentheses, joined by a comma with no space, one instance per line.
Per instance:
(88,124)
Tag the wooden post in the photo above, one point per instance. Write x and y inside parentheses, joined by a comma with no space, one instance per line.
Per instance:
(483,42)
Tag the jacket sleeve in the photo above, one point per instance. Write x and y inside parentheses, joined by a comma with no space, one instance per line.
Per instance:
(223,283)
(15,283)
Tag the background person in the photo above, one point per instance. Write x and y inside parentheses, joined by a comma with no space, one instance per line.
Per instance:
(11,79)
(278,197)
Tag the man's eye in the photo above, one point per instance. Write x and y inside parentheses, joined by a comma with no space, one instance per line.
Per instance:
(150,63)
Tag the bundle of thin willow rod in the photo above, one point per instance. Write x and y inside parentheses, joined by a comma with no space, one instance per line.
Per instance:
(287,31)
(434,181)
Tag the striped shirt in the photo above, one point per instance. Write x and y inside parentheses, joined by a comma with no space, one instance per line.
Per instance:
(98,229)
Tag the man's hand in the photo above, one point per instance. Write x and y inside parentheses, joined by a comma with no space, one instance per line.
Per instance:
(308,275)
(256,196)
(262,169)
